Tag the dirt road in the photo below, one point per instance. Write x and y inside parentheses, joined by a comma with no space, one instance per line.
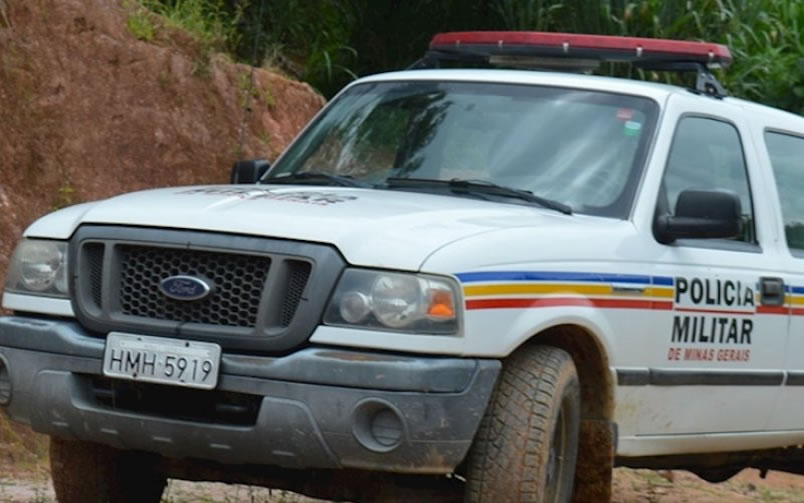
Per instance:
(631,486)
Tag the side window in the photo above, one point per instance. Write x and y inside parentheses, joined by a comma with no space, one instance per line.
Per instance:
(787,159)
(707,154)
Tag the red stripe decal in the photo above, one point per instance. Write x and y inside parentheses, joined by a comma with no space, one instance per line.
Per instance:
(775,310)
(711,311)
(616,304)
(564,301)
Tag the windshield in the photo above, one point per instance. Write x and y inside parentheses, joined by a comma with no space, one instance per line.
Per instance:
(582,148)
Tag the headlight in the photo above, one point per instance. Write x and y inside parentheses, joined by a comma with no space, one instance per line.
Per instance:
(39,267)
(405,302)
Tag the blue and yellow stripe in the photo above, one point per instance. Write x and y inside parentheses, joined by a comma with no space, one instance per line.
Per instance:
(521,289)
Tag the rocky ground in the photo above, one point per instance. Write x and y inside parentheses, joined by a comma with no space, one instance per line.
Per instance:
(31,485)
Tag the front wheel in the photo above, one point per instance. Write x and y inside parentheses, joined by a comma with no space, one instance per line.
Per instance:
(526,447)
(84,472)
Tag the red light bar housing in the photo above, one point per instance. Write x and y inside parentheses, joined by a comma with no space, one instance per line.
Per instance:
(574,52)
(601,47)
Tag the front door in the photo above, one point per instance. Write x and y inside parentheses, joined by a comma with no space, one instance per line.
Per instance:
(725,332)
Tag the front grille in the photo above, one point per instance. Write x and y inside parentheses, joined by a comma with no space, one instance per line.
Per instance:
(235,299)
(210,407)
(266,295)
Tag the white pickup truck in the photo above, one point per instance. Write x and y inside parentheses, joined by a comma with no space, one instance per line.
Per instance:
(474,284)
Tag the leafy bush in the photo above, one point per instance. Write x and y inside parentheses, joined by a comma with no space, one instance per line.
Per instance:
(766,38)
(768,45)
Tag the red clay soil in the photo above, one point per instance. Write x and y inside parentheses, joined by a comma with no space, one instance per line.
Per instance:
(88,111)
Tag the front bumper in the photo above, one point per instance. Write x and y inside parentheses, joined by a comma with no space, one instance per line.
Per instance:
(315,408)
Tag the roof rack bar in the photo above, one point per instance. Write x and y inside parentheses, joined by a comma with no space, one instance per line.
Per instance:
(519,58)
(705,81)
(433,59)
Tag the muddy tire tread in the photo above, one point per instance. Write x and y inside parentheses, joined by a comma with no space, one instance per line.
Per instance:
(83,472)
(509,449)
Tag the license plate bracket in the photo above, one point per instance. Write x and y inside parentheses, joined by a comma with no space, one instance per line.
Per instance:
(162,360)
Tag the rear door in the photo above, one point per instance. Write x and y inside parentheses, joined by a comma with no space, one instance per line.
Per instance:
(785,150)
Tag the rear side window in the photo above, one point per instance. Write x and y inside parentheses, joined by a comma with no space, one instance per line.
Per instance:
(707,154)
(787,159)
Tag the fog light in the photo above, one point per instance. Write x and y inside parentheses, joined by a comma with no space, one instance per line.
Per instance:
(386,428)
(5,383)
(378,426)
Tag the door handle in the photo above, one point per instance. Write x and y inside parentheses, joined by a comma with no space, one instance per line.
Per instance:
(771,291)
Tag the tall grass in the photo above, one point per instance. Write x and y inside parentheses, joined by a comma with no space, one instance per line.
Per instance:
(212,23)
(768,48)
(526,14)
(766,37)
(328,42)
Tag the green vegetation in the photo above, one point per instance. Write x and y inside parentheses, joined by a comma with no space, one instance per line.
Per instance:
(140,23)
(209,22)
(329,42)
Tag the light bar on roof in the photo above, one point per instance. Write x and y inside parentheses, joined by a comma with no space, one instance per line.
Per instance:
(600,47)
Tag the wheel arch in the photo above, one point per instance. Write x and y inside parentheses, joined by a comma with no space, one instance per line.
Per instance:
(598,434)
(591,362)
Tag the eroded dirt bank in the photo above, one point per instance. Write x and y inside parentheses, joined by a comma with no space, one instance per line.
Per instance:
(87,110)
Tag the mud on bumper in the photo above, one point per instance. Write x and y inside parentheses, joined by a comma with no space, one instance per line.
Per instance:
(315,408)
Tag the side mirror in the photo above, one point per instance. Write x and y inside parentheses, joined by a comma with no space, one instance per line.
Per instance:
(701,214)
(249,171)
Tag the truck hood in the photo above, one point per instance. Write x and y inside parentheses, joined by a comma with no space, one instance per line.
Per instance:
(377,228)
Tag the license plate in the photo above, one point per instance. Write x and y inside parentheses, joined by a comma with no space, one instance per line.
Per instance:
(162,360)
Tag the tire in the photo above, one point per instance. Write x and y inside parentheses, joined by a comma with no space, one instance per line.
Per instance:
(84,472)
(526,447)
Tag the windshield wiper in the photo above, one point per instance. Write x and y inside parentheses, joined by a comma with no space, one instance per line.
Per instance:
(316,176)
(461,186)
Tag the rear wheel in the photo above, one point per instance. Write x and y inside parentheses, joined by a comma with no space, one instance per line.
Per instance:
(526,447)
(84,472)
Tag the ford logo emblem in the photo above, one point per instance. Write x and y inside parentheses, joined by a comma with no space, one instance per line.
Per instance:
(185,287)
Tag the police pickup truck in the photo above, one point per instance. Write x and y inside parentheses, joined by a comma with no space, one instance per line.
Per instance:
(457,284)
